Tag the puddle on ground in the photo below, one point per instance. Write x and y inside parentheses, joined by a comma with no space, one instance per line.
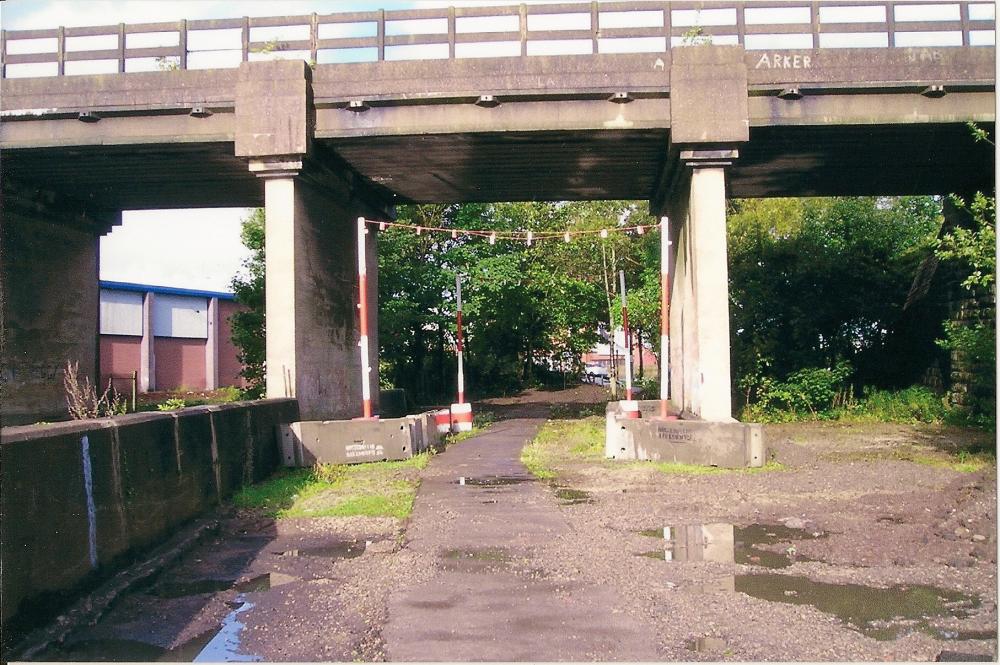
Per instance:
(493,481)
(572,497)
(882,614)
(962,635)
(495,554)
(890,519)
(726,543)
(119,651)
(477,560)
(960,657)
(224,647)
(345,550)
(265,582)
(182,588)
(707,645)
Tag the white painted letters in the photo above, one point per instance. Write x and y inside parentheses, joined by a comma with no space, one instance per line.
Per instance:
(781,61)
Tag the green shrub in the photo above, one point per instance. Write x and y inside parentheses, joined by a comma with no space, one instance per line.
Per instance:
(810,392)
(171,404)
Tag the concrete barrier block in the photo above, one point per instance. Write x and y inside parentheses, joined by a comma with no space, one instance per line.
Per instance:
(417,434)
(346,441)
(688,440)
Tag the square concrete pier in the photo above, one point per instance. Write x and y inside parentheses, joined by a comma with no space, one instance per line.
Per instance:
(687,440)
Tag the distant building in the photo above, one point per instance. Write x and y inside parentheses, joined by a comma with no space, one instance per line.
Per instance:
(172,338)
(600,354)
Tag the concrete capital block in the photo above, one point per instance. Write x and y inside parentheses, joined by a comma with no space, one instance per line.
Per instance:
(274,110)
(708,95)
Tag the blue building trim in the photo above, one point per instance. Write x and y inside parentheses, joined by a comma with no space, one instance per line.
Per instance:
(166,290)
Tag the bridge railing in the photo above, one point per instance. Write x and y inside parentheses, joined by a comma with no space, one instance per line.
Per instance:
(507,31)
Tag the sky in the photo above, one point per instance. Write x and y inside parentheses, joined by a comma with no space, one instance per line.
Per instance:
(194,249)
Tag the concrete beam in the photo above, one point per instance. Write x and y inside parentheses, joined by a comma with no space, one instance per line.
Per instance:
(708,77)
(147,346)
(274,110)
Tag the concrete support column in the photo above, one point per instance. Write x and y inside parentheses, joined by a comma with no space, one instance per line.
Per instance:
(212,346)
(700,375)
(311,296)
(709,277)
(147,347)
(49,299)
(311,208)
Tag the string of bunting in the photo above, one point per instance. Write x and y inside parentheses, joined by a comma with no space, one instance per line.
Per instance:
(519,236)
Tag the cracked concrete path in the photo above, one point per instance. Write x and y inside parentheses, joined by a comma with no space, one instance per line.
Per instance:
(490,597)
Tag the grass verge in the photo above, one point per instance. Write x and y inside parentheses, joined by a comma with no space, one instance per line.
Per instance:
(373,489)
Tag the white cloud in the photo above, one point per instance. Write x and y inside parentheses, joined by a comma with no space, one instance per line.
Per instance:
(193,249)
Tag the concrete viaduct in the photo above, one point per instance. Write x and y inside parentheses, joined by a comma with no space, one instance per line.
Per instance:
(782,103)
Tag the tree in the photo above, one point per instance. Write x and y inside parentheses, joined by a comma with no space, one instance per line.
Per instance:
(817,282)
(248,325)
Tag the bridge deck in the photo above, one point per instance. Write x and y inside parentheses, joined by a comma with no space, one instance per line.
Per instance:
(888,119)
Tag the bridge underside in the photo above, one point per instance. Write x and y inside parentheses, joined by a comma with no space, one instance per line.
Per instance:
(844,160)
(707,125)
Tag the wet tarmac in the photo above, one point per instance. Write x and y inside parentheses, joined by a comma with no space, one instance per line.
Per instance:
(490,597)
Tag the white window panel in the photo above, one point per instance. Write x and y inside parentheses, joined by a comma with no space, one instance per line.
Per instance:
(121,312)
(180,316)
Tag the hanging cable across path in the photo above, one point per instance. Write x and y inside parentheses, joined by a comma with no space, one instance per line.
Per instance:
(520,236)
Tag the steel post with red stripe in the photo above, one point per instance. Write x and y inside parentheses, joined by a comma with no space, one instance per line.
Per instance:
(625,335)
(458,339)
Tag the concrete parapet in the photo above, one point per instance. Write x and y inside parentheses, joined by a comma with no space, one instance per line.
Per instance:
(82,498)
(310,442)
(688,440)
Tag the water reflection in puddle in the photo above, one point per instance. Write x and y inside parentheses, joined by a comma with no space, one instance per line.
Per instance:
(726,543)
(224,647)
(182,588)
(695,542)
(477,560)
(493,481)
(707,644)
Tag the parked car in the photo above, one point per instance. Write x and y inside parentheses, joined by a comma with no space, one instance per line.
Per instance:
(596,374)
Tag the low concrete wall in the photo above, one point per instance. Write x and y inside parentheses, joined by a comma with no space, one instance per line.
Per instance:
(688,440)
(81,498)
(351,441)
